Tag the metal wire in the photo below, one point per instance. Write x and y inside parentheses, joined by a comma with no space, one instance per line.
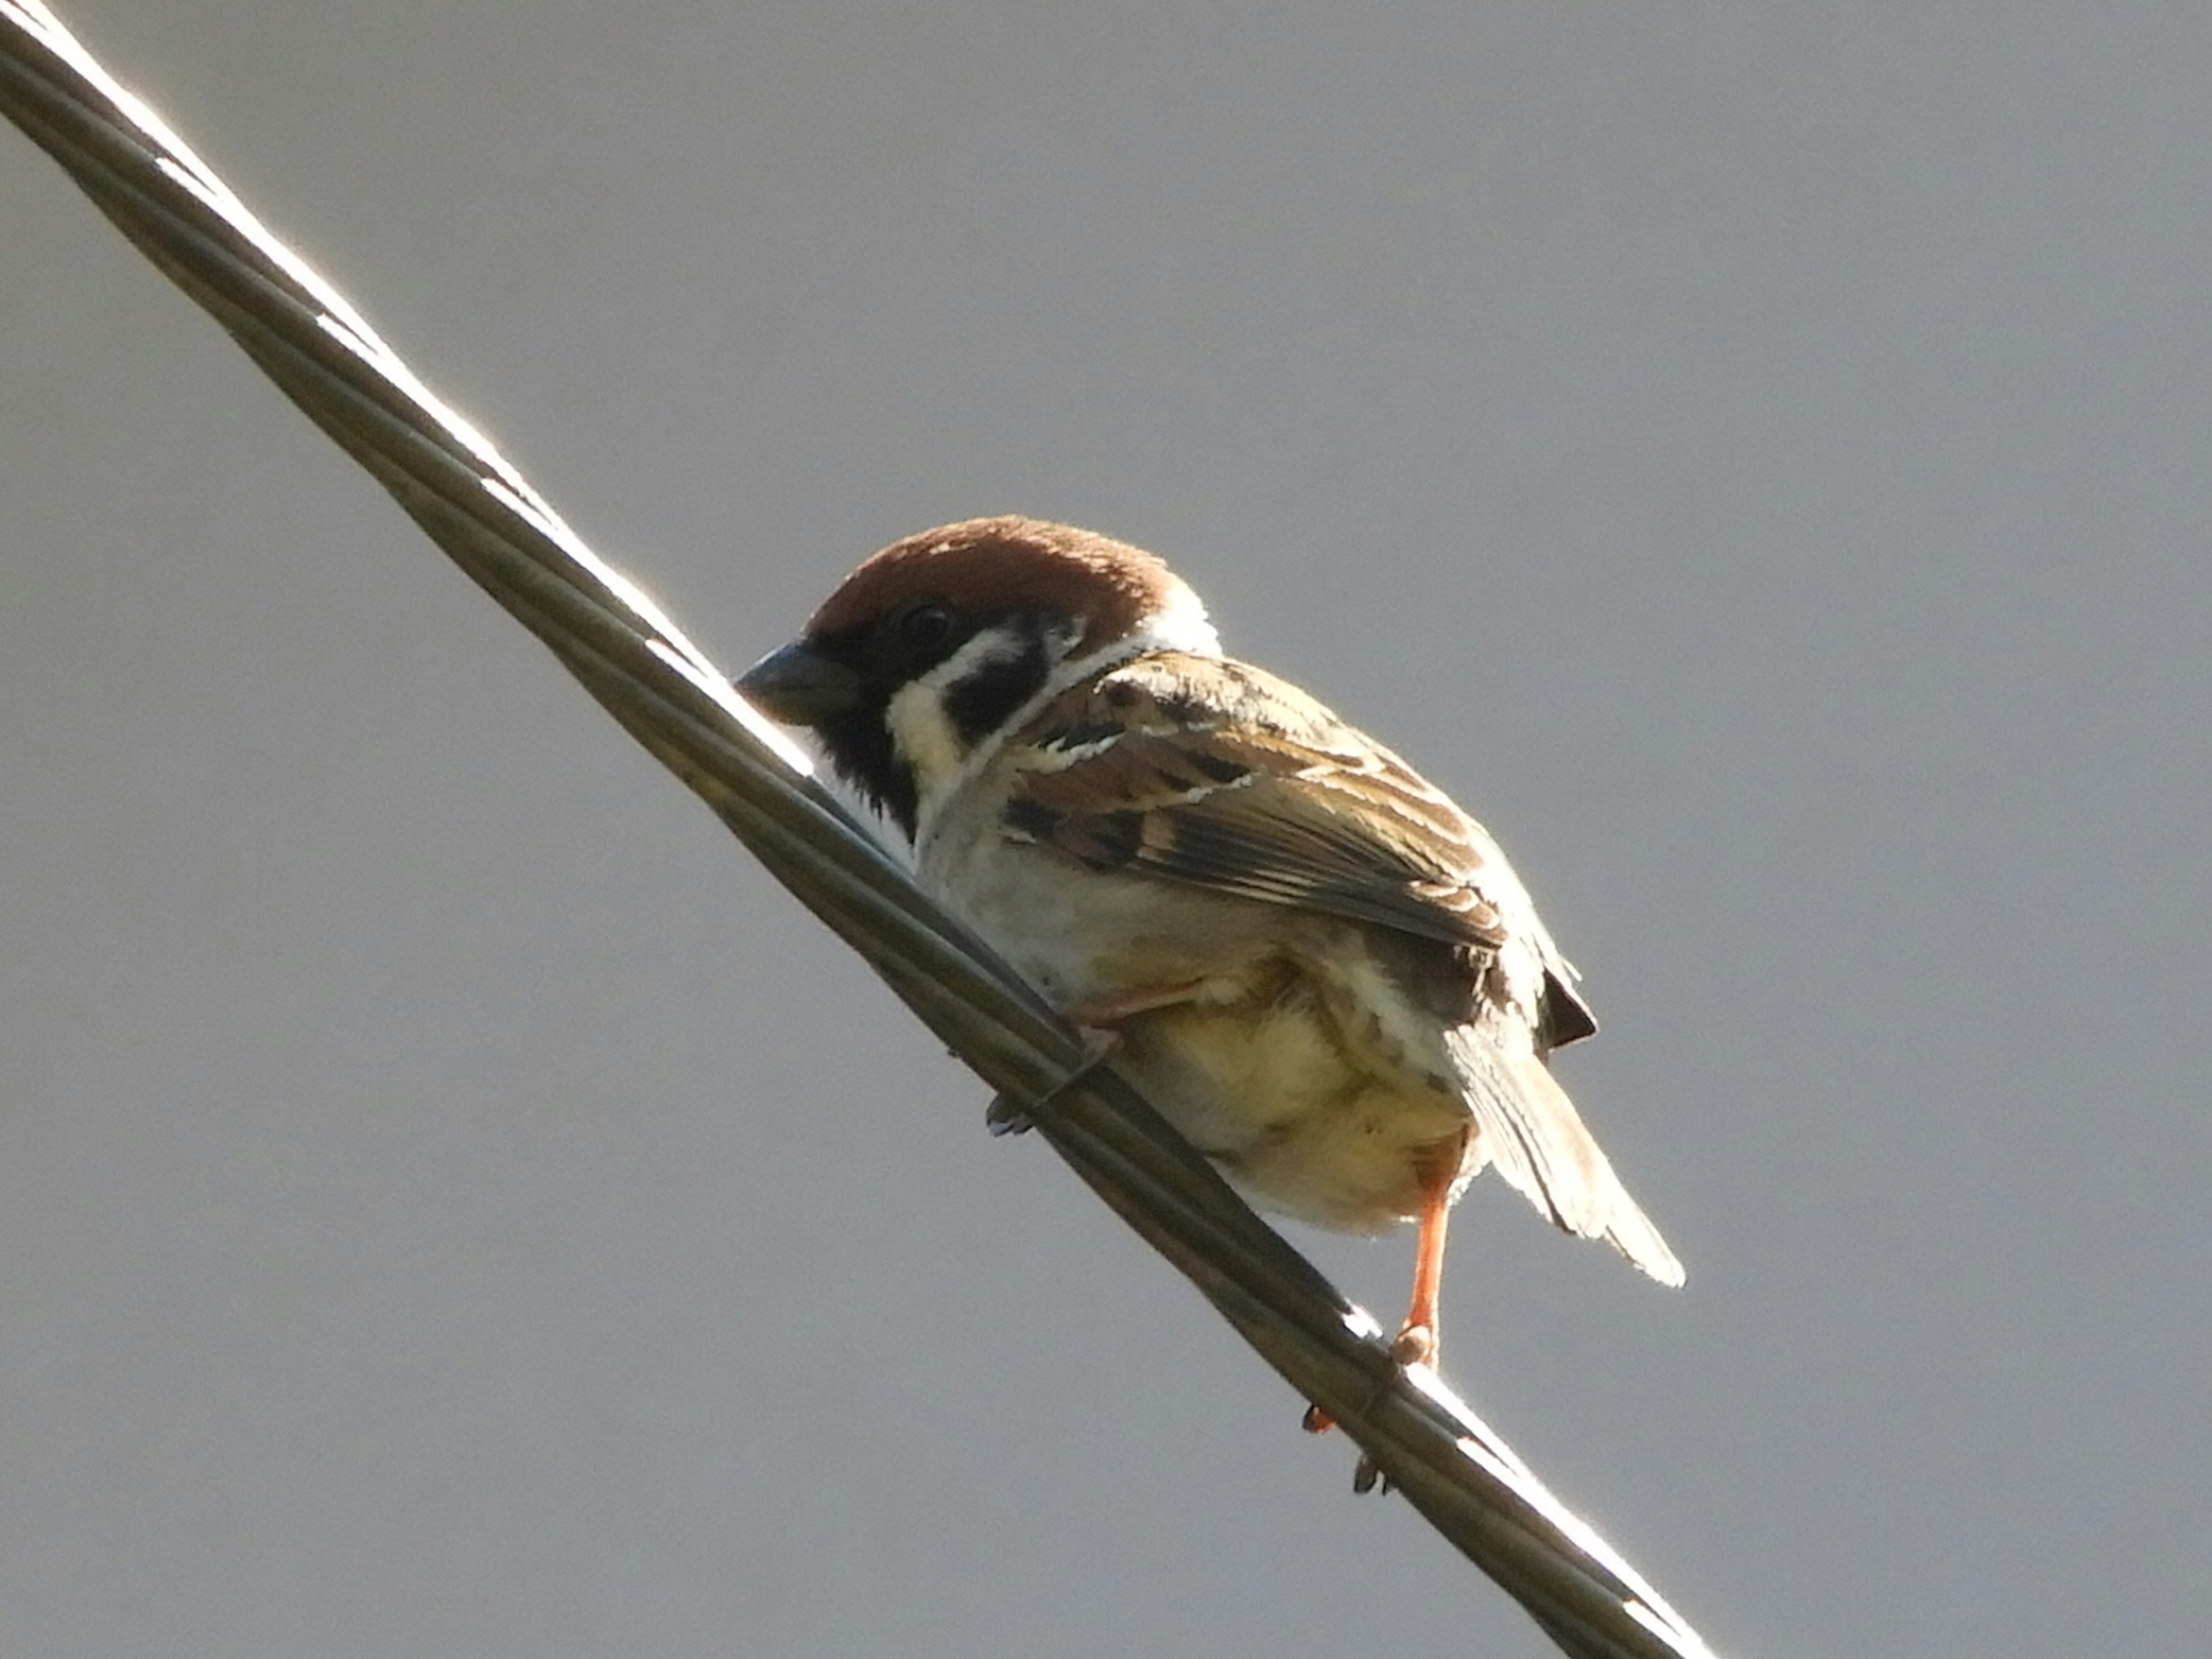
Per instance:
(311,341)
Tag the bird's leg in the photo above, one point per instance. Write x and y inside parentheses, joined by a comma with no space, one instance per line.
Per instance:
(1419,1339)
(1103,1014)
(1094,1022)
(1006,1115)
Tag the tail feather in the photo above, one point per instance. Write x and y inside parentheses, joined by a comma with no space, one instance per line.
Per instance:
(1537,1140)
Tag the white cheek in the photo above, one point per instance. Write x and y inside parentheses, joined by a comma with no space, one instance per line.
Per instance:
(925,736)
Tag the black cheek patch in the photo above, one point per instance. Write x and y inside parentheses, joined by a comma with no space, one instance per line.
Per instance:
(980,704)
(859,748)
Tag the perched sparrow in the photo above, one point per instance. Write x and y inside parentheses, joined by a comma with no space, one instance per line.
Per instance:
(1319,969)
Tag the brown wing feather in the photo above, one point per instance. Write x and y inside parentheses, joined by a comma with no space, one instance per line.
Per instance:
(1251,787)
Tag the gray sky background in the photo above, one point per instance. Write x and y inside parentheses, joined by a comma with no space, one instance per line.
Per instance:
(1755,456)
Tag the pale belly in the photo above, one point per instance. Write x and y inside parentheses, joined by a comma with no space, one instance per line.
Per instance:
(1288,1059)
(1303,1121)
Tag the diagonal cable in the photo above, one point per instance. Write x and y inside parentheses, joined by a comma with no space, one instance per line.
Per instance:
(612,637)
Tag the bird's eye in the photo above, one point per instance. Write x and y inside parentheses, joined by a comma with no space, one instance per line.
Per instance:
(924,627)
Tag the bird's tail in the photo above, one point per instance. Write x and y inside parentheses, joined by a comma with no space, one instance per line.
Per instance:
(1533,1133)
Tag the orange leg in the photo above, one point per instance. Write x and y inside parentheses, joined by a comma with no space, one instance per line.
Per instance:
(1420,1338)
(1421,1335)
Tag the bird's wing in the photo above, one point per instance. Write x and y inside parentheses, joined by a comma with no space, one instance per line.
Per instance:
(1216,774)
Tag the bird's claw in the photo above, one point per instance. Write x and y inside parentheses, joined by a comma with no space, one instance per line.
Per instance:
(1006,1115)
(1368,1475)
(1415,1345)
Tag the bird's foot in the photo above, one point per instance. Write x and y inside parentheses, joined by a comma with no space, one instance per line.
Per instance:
(1368,1472)
(1415,1345)
(1006,1115)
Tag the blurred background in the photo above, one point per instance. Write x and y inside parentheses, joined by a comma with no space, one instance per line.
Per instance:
(450,1202)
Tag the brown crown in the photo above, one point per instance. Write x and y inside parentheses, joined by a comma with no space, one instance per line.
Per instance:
(1111,587)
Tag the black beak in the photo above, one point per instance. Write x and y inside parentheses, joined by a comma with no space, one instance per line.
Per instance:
(797,686)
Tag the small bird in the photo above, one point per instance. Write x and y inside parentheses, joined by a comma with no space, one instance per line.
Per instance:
(1319,969)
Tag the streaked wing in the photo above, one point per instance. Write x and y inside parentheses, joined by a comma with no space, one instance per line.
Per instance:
(1219,774)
